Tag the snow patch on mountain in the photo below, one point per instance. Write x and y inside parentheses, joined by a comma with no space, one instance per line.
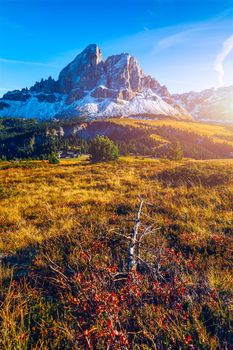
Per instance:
(209,105)
(93,88)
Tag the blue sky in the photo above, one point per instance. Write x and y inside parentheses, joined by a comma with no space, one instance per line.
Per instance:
(177,42)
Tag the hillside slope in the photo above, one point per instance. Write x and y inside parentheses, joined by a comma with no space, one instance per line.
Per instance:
(25,138)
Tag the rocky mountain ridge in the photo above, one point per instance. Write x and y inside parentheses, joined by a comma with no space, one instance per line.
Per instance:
(94,88)
(211,105)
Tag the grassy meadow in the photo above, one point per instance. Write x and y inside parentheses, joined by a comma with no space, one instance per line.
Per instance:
(64,240)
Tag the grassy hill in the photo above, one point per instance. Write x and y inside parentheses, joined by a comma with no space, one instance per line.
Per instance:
(24,139)
(219,133)
(64,243)
(155,137)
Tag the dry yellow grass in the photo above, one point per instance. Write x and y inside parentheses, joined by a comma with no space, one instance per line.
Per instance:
(49,210)
(44,201)
(217,133)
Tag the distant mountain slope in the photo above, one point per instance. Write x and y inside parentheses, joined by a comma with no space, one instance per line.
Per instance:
(209,105)
(94,88)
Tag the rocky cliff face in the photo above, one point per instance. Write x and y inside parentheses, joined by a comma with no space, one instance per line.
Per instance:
(83,72)
(94,88)
(214,105)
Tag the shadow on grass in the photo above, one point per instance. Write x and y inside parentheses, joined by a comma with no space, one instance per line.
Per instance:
(195,176)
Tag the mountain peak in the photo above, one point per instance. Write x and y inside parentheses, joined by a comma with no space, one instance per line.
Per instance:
(82,71)
(92,50)
(89,86)
(91,47)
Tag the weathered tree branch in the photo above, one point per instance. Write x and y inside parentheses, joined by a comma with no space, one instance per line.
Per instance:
(132,264)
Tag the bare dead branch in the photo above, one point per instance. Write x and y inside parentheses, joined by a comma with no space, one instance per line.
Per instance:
(132,255)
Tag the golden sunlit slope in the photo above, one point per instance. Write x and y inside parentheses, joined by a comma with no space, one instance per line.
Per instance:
(158,138)
(64,251)
(218,133)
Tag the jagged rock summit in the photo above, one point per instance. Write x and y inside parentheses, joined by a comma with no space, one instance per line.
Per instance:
(83,72)
(94,88)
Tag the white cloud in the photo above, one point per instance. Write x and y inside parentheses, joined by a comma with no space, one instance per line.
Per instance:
(218,64)
(171,40)
(31,63)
